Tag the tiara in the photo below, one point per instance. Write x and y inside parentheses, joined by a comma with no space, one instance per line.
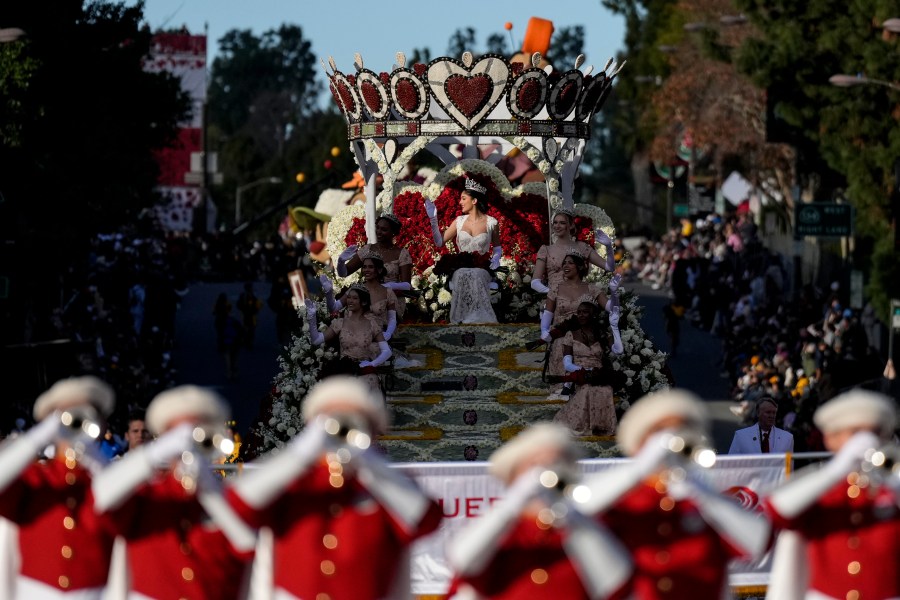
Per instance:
(578,253)
(588,299)
(369,252)
(358,287)
(565,211)
(392,218)
(474,186)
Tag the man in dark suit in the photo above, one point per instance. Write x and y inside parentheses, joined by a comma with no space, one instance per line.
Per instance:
(763,437)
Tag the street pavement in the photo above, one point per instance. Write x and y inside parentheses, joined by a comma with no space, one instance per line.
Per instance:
(199,363)
(695,366)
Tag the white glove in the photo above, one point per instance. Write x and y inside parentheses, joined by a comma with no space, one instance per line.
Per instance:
(495,257)
(570,366)
(393,490)
(397,285)
(602,238)
(391,325)
(614,283)
(170,445)
(794,497)
(614,316)
(538,286)
(430,209)
(343,257)
(21,452)
(605,240)
(546,321)
(382,356)
(327,287)
(315,336)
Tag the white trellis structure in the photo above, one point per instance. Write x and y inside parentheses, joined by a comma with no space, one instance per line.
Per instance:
(469,103)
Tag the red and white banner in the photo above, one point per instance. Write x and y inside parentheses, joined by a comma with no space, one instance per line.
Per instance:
(466,491)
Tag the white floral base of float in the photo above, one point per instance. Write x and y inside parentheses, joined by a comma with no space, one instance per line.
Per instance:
(477,387)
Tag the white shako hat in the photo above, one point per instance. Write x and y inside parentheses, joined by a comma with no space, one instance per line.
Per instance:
(857,408)
(342,391)
(74,392)
(538,437)
(186,402)
(649,410)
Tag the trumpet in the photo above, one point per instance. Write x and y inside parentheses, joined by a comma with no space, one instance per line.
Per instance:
(884,461)
(210,440)
(349,429)
(81,420)
(690,447)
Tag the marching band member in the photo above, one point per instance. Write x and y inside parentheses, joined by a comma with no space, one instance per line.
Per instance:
(843,521)
(341,518)
(535,543)
(680,533)
(183,539)
(63,549)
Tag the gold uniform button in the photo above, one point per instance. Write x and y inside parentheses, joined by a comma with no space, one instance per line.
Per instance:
(187,574)
(69,523)
(852,595)
(664,584)
(71,464)
(327,567)
(854,567)
(330,541)
(70,478)
(853,491)
(321,596)
(66,551)
(63,582)
(662,557)
(667,504)
(540,576)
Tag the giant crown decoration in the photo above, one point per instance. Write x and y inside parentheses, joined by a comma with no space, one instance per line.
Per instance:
(490,102)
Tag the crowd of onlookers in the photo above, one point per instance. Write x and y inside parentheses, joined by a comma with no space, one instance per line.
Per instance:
(800,347)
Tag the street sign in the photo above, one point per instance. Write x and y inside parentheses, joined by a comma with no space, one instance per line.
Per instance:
(895,314)
(680,210)
(823,220)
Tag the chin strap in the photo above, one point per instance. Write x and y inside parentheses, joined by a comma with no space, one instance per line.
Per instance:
(393,490)
(260,487)
(391,325)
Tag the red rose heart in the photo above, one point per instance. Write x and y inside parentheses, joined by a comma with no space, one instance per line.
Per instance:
(468,94)
(566,98)
(341,90)
(371,96)
(529,95)
(407,95)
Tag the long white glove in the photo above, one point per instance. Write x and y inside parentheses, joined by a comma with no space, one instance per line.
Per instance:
(431,211)
(382,356)
(209,495)
(496,255)
(393,490)
(602,563)
(391,325)
(315,336)
(472,549)
(17,454)
(260,487)
(328,290)
(397,285)
(343,257)
(794,497)
(605,240)
(609,486)
(538,286)
(546,322)
(746,530)
(614,315)
(614,282)
(115,484)
(570,366)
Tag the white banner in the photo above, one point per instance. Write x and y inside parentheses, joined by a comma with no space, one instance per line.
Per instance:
(466,491)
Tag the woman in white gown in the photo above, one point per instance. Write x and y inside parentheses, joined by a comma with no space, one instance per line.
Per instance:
(475,232)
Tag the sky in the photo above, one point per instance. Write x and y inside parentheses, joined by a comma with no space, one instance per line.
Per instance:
(378,30)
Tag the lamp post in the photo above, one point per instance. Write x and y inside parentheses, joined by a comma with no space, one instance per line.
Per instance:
(842,80)
(242,188)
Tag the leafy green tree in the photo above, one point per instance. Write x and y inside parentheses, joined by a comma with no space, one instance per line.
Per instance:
(460,41)
(16,71)
(565,46)
(497,43)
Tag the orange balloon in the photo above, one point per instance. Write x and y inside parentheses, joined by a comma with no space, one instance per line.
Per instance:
(335,151)
(301,177)
(508,25)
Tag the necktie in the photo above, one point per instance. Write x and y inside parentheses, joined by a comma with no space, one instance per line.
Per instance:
(764,442)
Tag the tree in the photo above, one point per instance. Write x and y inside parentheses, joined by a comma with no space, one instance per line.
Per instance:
(565,46)
(460,41)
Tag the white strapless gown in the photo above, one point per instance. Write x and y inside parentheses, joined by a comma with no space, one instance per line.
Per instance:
(471,302)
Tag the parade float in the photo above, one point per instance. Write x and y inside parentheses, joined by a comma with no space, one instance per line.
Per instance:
(473,386)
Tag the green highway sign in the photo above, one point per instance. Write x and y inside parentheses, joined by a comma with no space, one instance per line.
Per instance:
(681,210)
(821,219)
(895,314)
